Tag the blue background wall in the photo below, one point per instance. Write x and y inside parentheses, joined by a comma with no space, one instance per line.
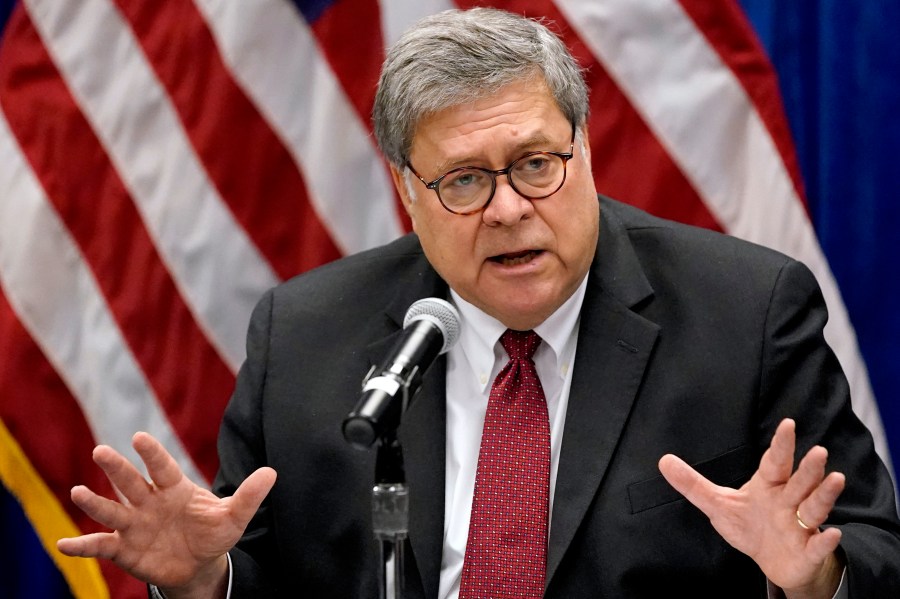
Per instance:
(838,63)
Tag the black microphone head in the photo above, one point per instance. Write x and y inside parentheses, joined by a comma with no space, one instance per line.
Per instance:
(439,312)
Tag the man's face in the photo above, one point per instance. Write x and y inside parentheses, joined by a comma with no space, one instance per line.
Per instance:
(517,260)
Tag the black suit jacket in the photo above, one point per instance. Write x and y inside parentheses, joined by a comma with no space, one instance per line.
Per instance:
(690,342)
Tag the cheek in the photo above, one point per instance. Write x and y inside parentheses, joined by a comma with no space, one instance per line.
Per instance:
(449,247)
(431,234)
(577,234)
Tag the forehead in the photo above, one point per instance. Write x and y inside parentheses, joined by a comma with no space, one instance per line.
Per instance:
(519,116)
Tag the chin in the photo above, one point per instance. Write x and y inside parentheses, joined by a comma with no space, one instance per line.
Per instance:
(524,317)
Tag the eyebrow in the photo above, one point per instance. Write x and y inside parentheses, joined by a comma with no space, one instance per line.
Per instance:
(536,140)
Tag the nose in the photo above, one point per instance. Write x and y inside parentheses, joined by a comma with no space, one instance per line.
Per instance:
(507,207)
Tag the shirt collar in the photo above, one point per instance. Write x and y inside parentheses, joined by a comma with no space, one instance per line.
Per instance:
(559,331)
(480,333)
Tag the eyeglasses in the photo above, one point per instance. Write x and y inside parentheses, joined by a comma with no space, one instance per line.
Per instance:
(469,189)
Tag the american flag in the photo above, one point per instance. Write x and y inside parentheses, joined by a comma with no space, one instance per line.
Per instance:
(164,163)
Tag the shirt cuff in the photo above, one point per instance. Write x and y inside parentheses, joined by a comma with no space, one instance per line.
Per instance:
(773,592)
(155,593)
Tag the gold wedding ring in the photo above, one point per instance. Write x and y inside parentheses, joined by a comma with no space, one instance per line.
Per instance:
(800,521)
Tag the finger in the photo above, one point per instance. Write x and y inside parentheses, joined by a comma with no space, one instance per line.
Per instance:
(122,474)
(250,495)
(99,544)
(777,462)
(808,476)
(161,466)
(698,490)
(107,512)
(814,509)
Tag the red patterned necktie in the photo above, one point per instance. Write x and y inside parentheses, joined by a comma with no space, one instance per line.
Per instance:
(506,552)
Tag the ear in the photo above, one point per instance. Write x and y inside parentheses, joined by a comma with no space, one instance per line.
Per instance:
(587,143)
(400,185)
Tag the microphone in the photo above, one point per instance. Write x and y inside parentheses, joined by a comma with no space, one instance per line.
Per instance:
(430,328)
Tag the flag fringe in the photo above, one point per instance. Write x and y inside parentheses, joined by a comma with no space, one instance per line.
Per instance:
(48,518)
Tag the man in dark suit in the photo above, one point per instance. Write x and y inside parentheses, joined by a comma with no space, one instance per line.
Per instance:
(654,339)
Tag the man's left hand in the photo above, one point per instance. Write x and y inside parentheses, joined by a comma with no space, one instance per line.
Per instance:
(765,518)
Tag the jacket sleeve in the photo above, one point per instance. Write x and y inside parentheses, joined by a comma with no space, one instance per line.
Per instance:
(801,374)
(241,451)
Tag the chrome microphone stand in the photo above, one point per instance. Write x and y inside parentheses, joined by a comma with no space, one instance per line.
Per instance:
(390,515)
(431,327)
(390,495)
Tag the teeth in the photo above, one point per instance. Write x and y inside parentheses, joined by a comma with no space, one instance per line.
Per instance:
(517,260)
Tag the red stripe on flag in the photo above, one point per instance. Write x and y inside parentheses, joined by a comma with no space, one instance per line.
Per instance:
(188,376)
(249,165)
(43,416)
(628,161)
(47,422)
(349,33)
(729,32)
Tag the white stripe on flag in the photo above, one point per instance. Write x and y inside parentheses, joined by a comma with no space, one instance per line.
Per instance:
(57,300)
(273,54)
(216,267)
(398,15)
(701,114)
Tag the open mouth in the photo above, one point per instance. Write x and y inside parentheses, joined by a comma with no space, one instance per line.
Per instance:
(516,258)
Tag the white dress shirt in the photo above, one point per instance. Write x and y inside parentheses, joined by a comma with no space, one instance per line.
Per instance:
(472,365)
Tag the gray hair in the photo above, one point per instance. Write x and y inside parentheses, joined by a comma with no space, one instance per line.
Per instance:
(456,56)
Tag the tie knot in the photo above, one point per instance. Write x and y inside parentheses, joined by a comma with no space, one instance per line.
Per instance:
(520,345)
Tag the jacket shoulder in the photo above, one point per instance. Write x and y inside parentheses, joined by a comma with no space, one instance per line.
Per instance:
(371,278)
(676,242)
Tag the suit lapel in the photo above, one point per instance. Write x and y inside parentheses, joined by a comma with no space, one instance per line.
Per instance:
(422,435)
(614,345)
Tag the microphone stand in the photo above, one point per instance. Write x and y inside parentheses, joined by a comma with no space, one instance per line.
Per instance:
(431,326)
(390,504)
(390,515)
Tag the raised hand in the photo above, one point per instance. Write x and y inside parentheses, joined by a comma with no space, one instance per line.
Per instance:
(169,532)
(775,517)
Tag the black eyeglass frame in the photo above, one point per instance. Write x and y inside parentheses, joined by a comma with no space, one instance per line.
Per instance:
(433,185)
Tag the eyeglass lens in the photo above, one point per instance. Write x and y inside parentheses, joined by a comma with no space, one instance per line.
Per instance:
(533,176)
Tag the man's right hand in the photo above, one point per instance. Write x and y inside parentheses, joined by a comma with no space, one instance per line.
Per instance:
(168,532)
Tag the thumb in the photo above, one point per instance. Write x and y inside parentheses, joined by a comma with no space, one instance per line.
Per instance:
(251,493)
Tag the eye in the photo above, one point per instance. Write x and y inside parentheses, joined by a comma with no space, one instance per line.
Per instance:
(533,164)
(464,178)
